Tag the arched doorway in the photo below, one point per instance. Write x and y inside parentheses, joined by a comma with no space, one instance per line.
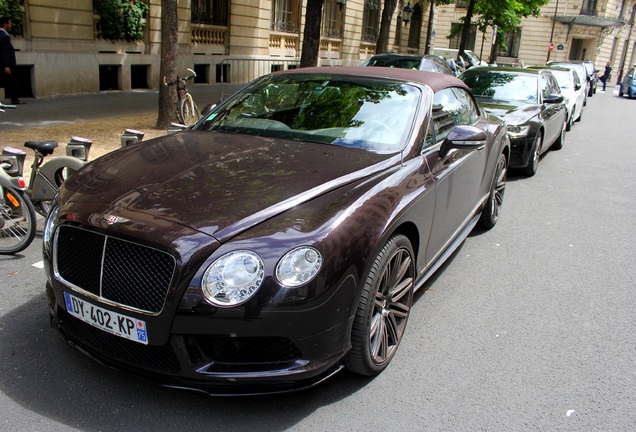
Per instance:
(415,32)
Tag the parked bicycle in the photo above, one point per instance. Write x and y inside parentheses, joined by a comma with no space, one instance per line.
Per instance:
(47,177)
(18,221)
(187,111)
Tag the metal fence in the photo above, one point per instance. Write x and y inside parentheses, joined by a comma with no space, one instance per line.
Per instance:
(234,73)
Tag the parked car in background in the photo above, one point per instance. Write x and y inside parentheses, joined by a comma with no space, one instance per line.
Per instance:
(531,103)
(469,58)
(592,74)
(582,71)
(628,84)
(429,63)
(572,90)
(279,239)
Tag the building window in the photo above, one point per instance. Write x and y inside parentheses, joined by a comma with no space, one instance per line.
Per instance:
(588,7)
(285,16)
(512,40)
(370,19)
(456,31)
(209,12)
(332,19)
(461,4)
(415,32)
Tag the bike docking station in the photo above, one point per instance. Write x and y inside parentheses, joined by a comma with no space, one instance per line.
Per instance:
(131,137)
(12,161)
(176,127)
(78,148)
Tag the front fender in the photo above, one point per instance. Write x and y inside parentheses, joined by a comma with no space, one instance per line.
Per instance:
(45,185)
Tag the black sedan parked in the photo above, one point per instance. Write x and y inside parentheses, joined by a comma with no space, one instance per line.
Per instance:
(282,237)
(531,103)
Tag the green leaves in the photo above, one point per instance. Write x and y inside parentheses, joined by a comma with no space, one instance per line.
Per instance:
(11,9)
(121,19)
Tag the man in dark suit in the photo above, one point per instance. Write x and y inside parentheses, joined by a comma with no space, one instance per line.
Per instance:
(8,62)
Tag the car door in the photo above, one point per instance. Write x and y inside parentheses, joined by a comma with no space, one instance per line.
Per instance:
(552,114)
(458,175)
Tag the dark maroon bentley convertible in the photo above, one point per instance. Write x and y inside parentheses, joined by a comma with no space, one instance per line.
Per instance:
(282,237)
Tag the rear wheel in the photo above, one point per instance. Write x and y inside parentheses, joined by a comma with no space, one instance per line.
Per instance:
(383,308)
(492,209)
(18,222)
(558,144)
(620,91)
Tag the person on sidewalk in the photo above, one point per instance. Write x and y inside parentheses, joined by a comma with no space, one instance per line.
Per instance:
(606,75)
(8,62)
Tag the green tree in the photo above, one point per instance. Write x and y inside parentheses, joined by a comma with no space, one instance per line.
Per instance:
(11,9)
(121,19)
(505,14)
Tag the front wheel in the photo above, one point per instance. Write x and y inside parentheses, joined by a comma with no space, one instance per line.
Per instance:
(492,209)
(188,111)
(383,308)
(533,164)
(18,222)
(558,144)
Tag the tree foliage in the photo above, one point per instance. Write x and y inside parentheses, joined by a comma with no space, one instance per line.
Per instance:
(11,10)
(121,19)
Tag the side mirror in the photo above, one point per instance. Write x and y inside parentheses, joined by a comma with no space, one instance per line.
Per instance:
(553,99)
(463,137)
(577,86)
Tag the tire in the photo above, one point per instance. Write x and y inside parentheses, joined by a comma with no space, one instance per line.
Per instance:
(383,308)
(558,144)
(18,222)
(188,111)
(569,123)
(580,116)
(620,91)
(44,207)
(492,209)
(629,93)
(533,164)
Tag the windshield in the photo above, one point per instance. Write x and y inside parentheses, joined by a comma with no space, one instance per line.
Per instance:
(397,62)
(564,78)
(365,113)
(502,85)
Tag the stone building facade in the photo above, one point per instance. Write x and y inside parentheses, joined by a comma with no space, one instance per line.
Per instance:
(60,51)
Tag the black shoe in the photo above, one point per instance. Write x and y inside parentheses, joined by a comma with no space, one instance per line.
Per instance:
(18,102)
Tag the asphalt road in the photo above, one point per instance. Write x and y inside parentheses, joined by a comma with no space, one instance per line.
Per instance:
(530,326)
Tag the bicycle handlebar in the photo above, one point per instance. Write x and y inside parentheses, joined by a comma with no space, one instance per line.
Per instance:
(180,79)
(3,107)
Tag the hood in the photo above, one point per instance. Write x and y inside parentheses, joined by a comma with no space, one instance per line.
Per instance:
(218,183)
(513,112)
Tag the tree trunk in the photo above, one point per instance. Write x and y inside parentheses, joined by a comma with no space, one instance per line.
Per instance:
(168,67)
(311,36)
(466,29)
(429,28)
(382,45)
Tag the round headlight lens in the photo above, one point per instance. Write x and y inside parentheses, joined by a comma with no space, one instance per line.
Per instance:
(298,266)
(233,279)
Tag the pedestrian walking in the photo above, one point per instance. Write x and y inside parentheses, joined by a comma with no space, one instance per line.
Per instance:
(8,62)
(606,75)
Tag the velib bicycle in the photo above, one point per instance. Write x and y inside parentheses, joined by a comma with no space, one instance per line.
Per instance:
(18,221)
(187,111)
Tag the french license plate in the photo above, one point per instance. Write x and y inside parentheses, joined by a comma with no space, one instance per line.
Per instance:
(112,322)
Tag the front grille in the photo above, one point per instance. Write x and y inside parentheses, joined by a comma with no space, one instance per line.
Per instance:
(111,346)
(117,270)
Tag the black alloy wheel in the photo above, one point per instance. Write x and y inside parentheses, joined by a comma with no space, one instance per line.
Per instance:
(492,209)
(383,308)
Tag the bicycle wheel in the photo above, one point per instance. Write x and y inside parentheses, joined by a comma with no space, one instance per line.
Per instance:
(44,207)
(188,111)
(17,221)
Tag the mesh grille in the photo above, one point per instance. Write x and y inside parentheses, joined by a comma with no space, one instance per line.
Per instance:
(116,270)
(146,356)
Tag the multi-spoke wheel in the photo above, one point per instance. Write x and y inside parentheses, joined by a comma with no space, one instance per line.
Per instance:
(492,209)
(188,111)
(383,308)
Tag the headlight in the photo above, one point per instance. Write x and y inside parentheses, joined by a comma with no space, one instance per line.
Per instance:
(233,279)
(298,266)
(49,226)
(518,131)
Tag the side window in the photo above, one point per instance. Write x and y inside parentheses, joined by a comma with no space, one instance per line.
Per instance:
(452,106)
(545,86)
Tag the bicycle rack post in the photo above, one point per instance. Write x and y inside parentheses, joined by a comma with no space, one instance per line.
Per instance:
(78,147)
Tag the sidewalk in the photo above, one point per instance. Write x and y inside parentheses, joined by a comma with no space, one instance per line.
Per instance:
(78,108)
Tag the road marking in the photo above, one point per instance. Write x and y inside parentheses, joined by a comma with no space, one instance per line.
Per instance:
(39,264)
